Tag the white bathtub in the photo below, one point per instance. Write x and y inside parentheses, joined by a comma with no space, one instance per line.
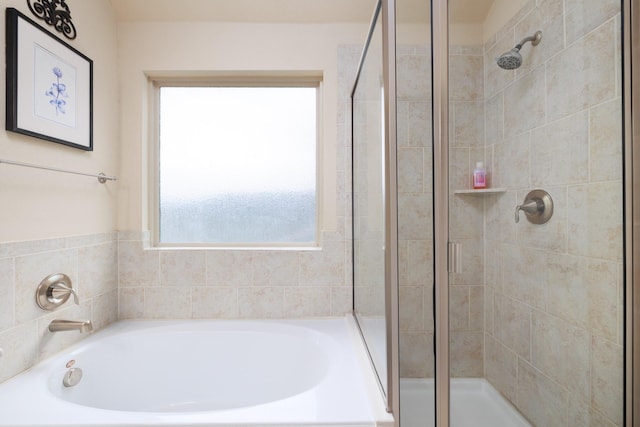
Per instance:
(203,373)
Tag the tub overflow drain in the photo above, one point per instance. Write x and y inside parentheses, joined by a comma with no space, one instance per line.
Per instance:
(72,377)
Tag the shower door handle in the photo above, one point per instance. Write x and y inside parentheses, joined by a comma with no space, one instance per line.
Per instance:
(455,257)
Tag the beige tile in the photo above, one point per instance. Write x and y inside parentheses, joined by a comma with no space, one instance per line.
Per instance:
(524,103)
(489,307)
(458,308)
(500,223)
(468,126)
(607,373)
(130,303)
(324,267)
(7,293)
(605,141)
(369,264)
(13,249)
(30,270)
(584,291)
(512,325)
(416,355)
(182,268)
(307,301)
(561,351)
(229,268)
(20,345)
(494,119)
(465,74)
(512,167)
(466,217)
(104,309)
(541,400)
(413,77)
(501,367)
(262,302)
(402,124)
(582,75)
(419,123)
(219,302)
(561,153)
(341,301)
(167,303)
(520,270)
(414,215)
(492,264)
(466,355)
(97,269)
(136,266)
(369,300)
(460,177)
(419,259)
(410,170)
(595,222)
(411,310)
(581,414)
(583,16)
(275,268)
(476,308)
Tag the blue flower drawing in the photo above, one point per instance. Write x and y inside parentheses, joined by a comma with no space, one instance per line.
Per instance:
(58,92)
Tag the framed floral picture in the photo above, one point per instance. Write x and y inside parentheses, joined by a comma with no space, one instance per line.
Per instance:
(49,85)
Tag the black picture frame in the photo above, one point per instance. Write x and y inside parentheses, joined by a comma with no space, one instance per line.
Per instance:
(49,85)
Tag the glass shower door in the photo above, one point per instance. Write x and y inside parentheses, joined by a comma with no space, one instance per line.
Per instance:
(536,303)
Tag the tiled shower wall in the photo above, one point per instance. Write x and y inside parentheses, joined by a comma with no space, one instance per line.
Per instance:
(550,337)
(91,264)
(553,339)
(415,195)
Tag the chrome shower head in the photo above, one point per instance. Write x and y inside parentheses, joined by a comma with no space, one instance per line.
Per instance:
(512,59)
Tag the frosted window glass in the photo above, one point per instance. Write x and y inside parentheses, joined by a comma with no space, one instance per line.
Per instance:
(237,165)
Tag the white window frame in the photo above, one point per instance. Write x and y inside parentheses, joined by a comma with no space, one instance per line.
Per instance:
(313,79)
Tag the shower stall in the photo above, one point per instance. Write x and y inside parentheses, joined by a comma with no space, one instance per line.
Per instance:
(514,300)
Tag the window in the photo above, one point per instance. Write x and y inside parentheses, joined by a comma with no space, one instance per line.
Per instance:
(237,164)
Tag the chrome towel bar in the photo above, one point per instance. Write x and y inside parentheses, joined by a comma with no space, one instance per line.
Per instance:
(102,178)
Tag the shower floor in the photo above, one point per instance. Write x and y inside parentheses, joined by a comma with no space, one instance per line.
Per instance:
(474,403)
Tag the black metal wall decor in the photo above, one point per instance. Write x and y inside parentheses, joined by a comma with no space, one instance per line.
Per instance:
(56,13)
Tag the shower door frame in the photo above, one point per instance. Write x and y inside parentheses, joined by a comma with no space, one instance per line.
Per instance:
(631,95)
(440,91)
(631,219)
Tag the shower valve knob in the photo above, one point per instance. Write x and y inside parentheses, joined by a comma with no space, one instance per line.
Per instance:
(538,207)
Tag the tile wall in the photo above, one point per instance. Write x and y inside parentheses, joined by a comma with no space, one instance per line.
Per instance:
(415,195)
(231,284)
(91,263)
(553,308)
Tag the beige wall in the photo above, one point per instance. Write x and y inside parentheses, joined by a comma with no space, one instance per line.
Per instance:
(41,204)
(59,223)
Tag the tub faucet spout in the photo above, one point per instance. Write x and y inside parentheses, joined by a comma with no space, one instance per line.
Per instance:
(58,325)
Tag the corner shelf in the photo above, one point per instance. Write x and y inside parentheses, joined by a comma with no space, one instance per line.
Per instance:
(485,191)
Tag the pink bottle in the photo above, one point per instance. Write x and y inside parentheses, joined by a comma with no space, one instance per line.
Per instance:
(479,176)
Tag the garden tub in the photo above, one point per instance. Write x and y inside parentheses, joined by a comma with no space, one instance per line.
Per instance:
(202,373)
